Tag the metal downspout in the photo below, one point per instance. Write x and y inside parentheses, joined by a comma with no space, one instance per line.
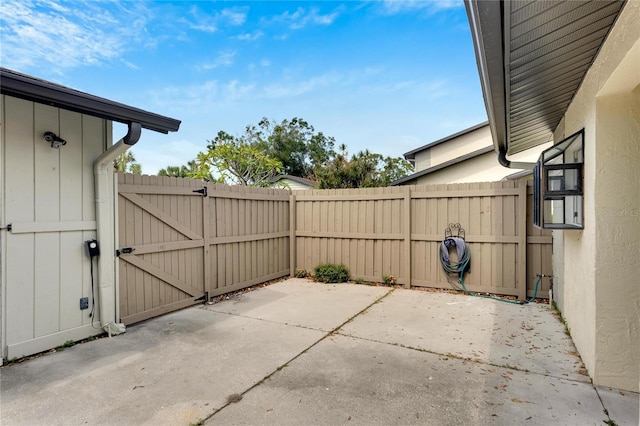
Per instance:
(105,220)
(502,159)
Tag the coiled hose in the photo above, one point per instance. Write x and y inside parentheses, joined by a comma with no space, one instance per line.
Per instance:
(462,266)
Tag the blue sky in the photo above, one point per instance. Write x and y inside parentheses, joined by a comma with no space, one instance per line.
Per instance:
(384,75)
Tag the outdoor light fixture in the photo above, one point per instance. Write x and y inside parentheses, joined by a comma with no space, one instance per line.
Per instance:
(557,185)
(55,140)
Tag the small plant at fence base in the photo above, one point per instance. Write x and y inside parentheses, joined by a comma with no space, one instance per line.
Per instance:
(302,273)
(331,273)
(389,280)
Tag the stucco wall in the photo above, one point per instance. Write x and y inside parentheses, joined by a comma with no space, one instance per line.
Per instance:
(484,168)
(464,144)
(422,160)
(618,239)
(48,197)
(600,281)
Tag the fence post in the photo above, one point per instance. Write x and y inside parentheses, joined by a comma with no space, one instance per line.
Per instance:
(292,234)
(522,239)
(407,236)
(206,236)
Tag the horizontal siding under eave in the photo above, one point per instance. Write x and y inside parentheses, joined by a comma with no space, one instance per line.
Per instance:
(49,194)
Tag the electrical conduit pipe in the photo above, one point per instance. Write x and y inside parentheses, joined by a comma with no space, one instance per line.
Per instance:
(105,220)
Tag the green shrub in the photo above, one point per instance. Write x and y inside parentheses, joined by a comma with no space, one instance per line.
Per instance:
(331,273)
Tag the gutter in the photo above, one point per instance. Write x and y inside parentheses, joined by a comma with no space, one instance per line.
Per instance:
(105,219)
(503,160)
(488,44)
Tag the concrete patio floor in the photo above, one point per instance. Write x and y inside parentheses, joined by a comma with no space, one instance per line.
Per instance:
(298,352)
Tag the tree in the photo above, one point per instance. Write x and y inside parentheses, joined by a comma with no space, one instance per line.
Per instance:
(294,143)
(364,169)
(179,171)
(126,163)
(237,162)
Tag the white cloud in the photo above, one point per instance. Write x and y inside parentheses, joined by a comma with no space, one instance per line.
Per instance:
(302,17)
(194,97)
(409,6)
(224,59)
(36,34)
(250,36)
(235,90)
(234,16)
(210,23)
(287,89)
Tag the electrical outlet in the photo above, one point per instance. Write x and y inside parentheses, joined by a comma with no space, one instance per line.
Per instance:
(84,303)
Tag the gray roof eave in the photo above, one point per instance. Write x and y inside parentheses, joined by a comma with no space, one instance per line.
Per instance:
(503,51)
(486,23)
(45,92)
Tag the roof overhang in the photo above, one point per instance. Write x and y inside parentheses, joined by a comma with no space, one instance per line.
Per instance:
(532,57)
(45,92)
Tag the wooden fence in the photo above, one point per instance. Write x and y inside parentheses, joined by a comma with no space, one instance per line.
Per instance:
(397,232)
(182,240)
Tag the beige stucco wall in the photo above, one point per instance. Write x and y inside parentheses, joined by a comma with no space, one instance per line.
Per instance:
(484,168)
(48,196)
(600,288)
(454,148)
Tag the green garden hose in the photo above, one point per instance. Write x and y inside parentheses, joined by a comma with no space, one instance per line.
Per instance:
(462,266)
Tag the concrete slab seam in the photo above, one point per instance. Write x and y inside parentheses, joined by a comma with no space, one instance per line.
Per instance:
(461,358)
(604,409)
(268,376)
(262,319)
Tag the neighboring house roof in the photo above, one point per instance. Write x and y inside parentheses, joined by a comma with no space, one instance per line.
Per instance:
(441,166)
(33,89)
(303,181)
(411,155)
(532,58)
(518,175)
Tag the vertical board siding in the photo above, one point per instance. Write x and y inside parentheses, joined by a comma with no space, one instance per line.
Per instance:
(46,271)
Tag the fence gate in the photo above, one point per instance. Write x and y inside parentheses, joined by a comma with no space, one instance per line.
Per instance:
(161,245)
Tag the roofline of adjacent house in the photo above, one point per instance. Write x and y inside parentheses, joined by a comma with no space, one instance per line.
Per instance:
(23,86)
(298,179)
(412,154)
(518,175)
(444,165)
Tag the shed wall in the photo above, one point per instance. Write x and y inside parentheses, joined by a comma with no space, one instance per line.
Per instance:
(48,198)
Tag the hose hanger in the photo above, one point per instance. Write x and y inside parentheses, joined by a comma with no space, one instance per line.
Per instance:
(454,230)
(454,239)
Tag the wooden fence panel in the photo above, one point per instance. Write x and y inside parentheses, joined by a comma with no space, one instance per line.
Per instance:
(248,236)
(186,239)
(362,229)
(378,232)
(189,243)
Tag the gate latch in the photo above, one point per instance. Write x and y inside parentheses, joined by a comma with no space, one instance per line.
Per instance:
(202,191)
(124,250)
